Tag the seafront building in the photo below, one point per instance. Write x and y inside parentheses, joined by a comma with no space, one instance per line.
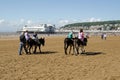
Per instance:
(39,28)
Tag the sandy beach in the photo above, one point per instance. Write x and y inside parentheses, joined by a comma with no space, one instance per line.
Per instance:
(101,61)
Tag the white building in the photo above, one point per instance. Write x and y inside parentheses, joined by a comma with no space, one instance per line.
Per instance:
(40,28)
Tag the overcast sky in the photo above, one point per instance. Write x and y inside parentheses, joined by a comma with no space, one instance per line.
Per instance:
(16,13)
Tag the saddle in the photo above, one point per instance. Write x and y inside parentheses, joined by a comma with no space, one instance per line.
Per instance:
(84,42)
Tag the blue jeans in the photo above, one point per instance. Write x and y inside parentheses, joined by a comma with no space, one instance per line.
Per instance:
(22,45)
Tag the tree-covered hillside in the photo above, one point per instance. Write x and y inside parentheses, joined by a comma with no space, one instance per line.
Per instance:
(97,25)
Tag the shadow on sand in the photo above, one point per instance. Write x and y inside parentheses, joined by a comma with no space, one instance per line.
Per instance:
(46,52)
(92,53)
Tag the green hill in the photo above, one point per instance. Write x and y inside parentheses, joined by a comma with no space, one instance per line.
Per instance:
(101,25)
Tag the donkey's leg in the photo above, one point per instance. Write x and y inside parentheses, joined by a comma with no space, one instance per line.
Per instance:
(65,48)
(40,48)
(82,49)
(27,46)
(70,49)
(30,49)
(77,48)
(74,50)
(35,49)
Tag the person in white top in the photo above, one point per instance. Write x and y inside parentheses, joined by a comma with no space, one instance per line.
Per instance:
(105,35)
(27,36)
(81,35)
